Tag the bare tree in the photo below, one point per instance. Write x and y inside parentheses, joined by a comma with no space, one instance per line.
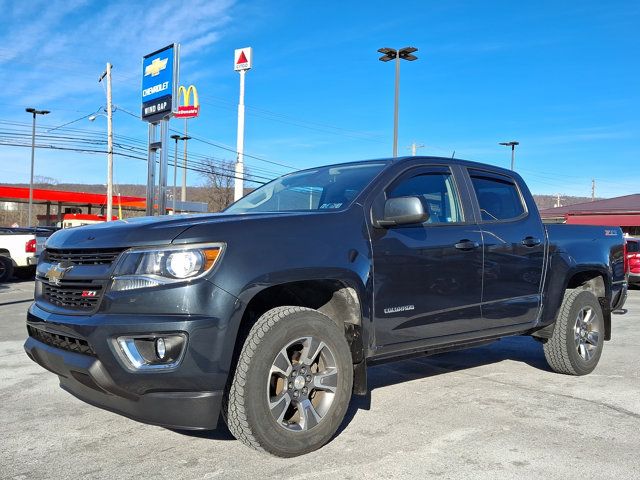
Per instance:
(219,179)
(44,182)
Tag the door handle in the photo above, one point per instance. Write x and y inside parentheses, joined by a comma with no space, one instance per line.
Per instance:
(466,245)
(530,241)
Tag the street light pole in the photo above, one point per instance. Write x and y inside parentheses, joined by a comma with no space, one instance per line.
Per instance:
(405,53)
(184,138)
(175,170)
(34,112)
(511,144)
(395,107)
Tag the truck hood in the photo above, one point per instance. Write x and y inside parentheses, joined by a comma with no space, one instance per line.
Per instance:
(143,231)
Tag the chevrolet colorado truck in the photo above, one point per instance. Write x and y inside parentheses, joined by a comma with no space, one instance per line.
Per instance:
(268,314)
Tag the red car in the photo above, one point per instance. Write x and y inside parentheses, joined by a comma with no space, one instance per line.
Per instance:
(633,260)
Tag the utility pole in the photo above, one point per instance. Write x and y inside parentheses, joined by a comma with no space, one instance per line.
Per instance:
(593,189)
(34,112)
(414,148)
(107,74)
(558,200)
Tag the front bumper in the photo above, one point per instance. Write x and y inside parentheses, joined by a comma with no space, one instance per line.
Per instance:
(186,397)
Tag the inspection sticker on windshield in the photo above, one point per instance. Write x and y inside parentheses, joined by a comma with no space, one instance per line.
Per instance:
(330,205)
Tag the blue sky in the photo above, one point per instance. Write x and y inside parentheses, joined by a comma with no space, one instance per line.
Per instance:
(563,78)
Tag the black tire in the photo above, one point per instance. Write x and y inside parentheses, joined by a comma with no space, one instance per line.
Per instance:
(570,350)
(248,414)
(6,268)
(25,273)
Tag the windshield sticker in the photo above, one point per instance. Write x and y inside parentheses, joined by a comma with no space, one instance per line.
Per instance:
(330,205)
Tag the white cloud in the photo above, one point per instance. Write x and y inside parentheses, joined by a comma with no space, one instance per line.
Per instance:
(60,54)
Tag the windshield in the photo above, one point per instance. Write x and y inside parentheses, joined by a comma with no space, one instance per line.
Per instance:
(327,188)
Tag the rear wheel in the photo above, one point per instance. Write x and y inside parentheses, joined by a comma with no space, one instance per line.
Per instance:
(6,268)
(292,384)
(578,337)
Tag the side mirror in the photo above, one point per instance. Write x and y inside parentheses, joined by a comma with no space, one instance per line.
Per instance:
(403,211)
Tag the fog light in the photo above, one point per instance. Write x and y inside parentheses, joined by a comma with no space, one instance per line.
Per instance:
(161,349)
(151,351)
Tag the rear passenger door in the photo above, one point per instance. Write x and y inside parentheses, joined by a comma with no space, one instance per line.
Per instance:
(513,237)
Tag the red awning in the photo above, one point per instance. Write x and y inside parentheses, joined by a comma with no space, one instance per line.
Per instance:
(20,194)
(619,220)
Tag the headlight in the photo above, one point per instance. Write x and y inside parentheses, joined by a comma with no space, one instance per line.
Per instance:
(150,267)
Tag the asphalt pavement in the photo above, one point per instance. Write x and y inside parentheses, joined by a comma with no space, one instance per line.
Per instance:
(487,413)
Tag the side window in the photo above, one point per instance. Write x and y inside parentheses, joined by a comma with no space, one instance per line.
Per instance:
(438,194)
(497,196)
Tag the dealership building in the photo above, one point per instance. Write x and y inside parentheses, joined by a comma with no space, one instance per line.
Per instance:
(622,212)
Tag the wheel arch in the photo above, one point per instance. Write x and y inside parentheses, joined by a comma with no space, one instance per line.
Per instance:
(597,282)
(593,279)
(340,298)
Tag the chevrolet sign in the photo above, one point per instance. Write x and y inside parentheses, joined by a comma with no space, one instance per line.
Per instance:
(159,83)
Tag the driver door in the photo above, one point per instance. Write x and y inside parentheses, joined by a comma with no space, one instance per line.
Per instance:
(428,276)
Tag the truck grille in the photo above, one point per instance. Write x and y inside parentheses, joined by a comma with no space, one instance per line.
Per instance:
(73,296)
(82,257)
(65,342)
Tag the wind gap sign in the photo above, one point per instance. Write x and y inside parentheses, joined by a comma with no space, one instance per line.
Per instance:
(159,83)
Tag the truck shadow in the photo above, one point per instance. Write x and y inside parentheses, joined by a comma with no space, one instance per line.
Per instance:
(519,349)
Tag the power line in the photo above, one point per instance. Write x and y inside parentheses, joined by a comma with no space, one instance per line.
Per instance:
(121,154)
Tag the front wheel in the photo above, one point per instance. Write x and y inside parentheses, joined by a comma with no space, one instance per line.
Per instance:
(578,337)
(292,384)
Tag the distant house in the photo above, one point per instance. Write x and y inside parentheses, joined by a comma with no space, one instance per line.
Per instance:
(622,211)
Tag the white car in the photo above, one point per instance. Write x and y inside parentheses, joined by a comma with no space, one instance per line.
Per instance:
(19,251)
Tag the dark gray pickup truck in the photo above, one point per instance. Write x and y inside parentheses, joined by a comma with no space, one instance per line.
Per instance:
(268,313)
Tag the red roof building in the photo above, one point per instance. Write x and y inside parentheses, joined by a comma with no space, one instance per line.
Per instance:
(622,211)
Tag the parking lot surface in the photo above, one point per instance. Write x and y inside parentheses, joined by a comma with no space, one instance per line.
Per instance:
(489,412)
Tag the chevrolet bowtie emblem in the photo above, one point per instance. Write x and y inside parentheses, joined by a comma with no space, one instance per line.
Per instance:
(156,67)
(56,272)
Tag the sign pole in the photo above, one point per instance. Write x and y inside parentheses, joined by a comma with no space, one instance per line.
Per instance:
(239,173)
(183,195)
(151,169)
(159,94)
(164,166)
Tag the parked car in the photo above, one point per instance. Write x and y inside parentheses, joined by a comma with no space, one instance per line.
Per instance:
(633,260)
(270,312)
(19,251)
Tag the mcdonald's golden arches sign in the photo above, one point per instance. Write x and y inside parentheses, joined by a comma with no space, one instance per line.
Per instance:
(185,108)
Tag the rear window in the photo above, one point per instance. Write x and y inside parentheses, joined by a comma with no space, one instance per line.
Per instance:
(633,246)
(498,196)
